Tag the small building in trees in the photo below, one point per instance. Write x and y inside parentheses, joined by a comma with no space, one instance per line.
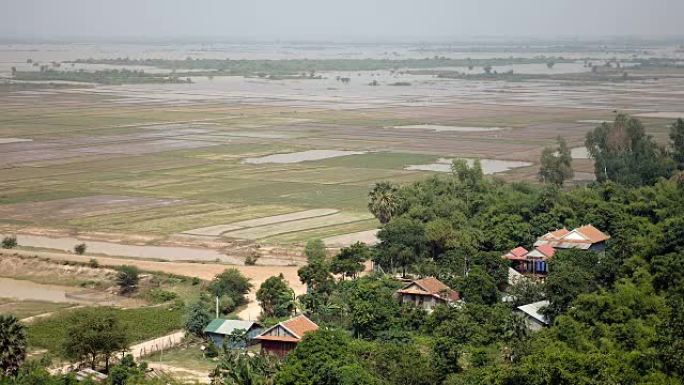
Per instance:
(533,317)
(533,262)
(236,334)
(282,338)
(427,293)
(586,237)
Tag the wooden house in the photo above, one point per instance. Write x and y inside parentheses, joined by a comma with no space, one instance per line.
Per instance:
(282,338)
(219,329)
(427,293)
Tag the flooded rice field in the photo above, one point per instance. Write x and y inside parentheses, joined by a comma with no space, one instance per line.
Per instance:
(302,156)
(439,128)
(489,166)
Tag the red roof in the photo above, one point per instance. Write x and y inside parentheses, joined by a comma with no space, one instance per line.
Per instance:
(298,326)
(547,250)
(433,287)
(592,233)
(516,254)
(556,234)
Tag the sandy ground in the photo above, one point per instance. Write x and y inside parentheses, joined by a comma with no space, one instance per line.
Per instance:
(206,271)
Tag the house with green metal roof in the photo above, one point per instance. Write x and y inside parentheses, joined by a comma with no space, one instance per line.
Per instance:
(218,331)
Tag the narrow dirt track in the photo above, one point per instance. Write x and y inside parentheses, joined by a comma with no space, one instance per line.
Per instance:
(206,271)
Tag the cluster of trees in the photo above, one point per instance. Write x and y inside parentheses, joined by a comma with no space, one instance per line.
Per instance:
(623,153)
(616,316)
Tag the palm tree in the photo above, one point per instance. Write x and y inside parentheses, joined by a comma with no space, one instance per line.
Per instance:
(12,345)
(382,201)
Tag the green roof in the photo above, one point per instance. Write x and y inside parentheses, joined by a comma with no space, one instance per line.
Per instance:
(226,327)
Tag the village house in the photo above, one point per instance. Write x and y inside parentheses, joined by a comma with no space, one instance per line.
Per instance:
(533,262)
(219,329)
(534,319)
(282,338)
(427,293)
(586,237)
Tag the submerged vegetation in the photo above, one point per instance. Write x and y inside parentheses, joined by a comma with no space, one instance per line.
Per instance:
(110,77)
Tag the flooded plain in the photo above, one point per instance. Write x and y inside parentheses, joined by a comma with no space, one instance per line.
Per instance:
(489,166)
(302,156)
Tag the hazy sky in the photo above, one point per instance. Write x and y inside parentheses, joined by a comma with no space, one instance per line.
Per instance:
(328,19)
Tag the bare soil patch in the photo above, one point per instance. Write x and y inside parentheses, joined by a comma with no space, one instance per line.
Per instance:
(81,207)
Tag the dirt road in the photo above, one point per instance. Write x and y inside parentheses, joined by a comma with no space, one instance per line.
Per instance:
(206,271)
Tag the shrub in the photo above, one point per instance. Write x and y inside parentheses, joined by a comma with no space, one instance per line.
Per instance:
(160,295)
(80,249)
(128,279)
(9,242)
(252,258)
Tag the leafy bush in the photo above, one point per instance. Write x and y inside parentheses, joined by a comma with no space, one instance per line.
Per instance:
(159,295)
(9,242)
(80,249)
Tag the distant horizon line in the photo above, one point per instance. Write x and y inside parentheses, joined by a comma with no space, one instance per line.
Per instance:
(492,39)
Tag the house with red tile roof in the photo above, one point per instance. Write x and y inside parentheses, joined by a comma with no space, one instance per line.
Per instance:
(282,338)
(585,237)
(533,262)
(427,293)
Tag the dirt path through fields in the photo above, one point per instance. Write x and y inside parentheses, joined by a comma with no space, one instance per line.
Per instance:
(206,271)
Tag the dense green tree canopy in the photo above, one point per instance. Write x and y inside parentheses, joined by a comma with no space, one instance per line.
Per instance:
(275,297)
(12,345)
(93,334)
(556,164)
(231,283)
(623,153)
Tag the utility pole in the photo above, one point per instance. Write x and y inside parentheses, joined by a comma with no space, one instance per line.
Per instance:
(217,306)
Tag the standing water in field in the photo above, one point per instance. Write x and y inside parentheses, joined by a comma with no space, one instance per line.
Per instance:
(489,166)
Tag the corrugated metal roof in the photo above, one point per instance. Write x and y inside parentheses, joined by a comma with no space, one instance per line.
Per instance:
(532,310)
(226,327)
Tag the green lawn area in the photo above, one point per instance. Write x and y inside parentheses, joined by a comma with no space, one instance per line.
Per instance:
(24,309)
(142,323)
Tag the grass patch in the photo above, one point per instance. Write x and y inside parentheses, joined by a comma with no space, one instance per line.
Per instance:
(142,324)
